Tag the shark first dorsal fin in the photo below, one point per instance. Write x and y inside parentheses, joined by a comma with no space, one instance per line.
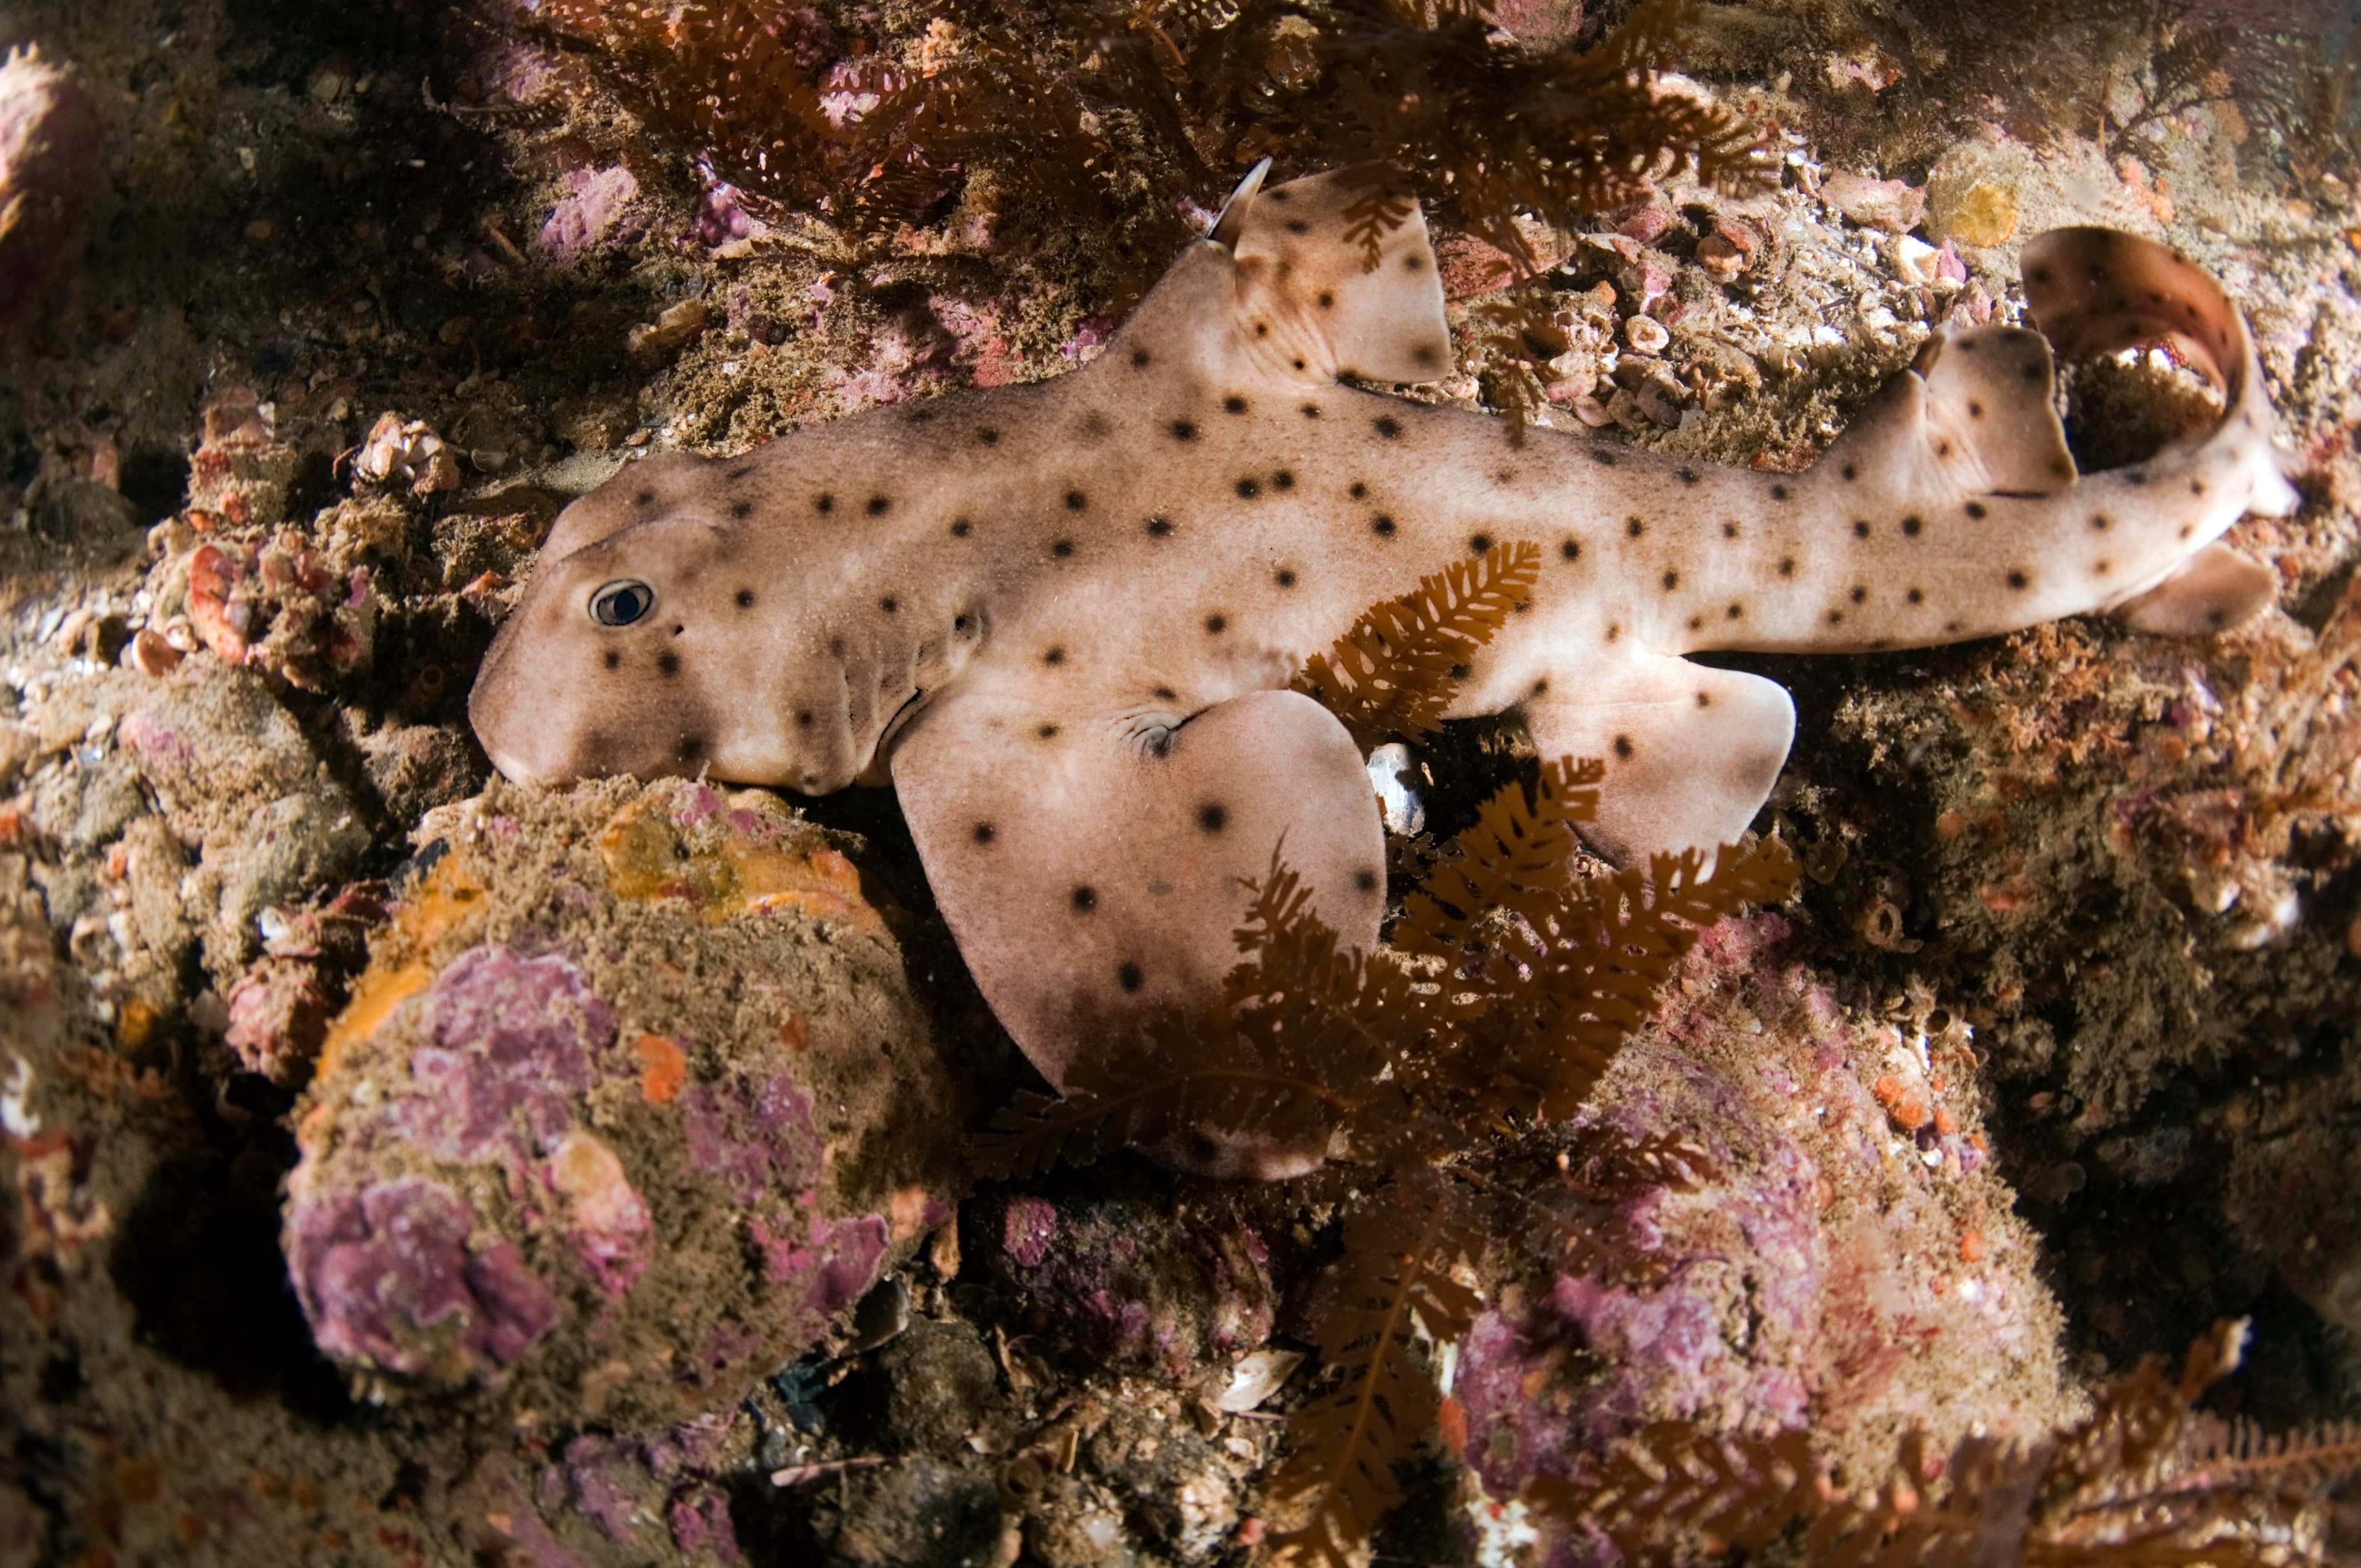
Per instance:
(1336,277)
(1296,285)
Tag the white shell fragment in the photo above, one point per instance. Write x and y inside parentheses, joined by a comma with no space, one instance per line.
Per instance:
(1255,1378)
(1394,773)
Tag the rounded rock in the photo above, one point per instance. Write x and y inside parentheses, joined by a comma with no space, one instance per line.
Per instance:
(1751,1270)
(632,1102)
(50,139)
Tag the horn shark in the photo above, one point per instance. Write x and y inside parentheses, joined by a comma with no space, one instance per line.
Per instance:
(1059,618)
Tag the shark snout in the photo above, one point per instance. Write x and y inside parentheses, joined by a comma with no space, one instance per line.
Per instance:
(526,747)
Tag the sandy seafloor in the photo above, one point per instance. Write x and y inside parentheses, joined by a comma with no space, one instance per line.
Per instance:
(2050,1064)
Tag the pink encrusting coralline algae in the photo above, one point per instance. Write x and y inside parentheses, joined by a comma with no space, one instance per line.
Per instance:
(536,1141)
(1826,1231)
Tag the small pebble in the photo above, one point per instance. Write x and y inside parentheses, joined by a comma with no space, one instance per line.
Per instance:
(1914,259)
(1255,1377)
(1661,399)
(69,633)
(1720,257)
(1889,204)
(1741,235)
(1646,334)
(1648,225)
(1394,772)
(670,331)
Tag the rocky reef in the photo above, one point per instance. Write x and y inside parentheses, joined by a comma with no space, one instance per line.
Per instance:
(408,1167)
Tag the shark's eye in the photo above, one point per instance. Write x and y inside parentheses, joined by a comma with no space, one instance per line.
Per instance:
(620,603)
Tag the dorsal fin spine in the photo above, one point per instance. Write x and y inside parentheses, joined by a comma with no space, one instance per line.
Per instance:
(1230,221)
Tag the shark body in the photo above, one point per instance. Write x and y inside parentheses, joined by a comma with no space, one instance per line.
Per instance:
(1060,618)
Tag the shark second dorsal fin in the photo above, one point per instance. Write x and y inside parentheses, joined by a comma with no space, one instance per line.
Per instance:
(1973,417)
(1336,277)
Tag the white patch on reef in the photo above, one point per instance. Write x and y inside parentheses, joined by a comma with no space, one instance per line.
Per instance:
(1392,771)
(1502,1531)
(1255,1378)
(14,1115)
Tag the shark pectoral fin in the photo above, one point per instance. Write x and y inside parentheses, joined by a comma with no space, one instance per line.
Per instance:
(1336,277)
(1091,874)
(1973,417)
(2213,590)
(1691,752)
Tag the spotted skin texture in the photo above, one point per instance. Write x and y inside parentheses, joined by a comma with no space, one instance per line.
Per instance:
(1059,618)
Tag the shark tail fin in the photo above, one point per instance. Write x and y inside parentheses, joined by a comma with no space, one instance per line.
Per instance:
(2097,291)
